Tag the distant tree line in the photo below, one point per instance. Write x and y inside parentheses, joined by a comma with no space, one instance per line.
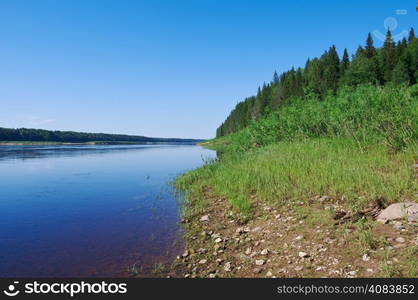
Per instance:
(41,135)
(395,63)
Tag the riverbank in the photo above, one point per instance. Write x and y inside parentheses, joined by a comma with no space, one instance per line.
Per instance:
(32,143)
(300,209)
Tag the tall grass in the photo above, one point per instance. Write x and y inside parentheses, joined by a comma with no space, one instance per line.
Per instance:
(359,145)
(301,170)
(365,114)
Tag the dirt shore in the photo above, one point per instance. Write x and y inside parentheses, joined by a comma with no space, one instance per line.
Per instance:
(298,239)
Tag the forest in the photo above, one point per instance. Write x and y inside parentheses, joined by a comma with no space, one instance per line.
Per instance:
(392,64)
(41,135)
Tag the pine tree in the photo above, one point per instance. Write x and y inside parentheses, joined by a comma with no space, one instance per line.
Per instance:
(389,57)
(400,73)
(411,35)
(275,78)
(345,61)
(331,74)
(370,50)
(313,76)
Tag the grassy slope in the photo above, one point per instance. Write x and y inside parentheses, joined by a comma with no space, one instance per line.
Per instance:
(301,170)
(360,144)
(357,148)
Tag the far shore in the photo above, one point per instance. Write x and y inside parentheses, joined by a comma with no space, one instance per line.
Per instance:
(31,143)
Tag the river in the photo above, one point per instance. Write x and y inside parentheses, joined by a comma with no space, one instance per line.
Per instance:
(91,210)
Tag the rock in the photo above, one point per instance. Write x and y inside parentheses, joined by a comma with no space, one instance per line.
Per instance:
(248,251)
(298,268)
(185,253)
(205,218)
(398,211)
(299,237)
(201,251)
(400,239)
(370,270)
(218,240)
(212,275)
(398,246)
(264,252)
(239,230)
(269,274)
(365,257)
(303,254)
(227,267)
(259,262)
(243,257)
(203,261)
(398,225)
(352,273)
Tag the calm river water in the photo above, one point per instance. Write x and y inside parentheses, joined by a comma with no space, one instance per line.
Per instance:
(90,210)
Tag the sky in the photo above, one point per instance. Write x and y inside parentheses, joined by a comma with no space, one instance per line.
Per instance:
(165,68)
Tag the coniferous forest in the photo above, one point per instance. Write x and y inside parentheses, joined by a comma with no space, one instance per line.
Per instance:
(393,63)
(41,135)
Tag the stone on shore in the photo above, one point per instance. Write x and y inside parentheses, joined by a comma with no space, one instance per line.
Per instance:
(396,211)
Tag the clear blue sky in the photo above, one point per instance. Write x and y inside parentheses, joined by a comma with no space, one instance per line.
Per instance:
(163,68)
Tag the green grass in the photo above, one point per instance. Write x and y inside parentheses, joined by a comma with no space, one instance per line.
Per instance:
(301,170)
(359,145)
(365,114)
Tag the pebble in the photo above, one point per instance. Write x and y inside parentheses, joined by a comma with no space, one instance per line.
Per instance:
(203,261)
(303,254)
(299,237)
(264,252)
(205,218)
(228,267)
(185,253)
(218,240)
(365,257)
(400,240)
(259,262)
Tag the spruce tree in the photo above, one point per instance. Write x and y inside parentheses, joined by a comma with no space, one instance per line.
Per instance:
(400,73)
(345,61)
(370,50)
(331,75)
(275,78)
(411,35)
(389,57)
